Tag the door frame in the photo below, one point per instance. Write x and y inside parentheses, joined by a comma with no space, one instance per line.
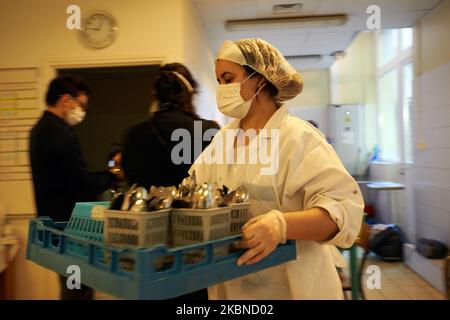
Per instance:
(49,67)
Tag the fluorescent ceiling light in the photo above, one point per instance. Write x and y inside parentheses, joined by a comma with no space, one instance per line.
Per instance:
(339,55)
(285,22)
(315,58)
(305,58)
(287,8)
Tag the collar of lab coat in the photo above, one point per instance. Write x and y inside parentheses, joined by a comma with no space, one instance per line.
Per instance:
(274,122)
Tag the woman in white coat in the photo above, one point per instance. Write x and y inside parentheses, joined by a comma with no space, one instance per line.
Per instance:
(298,187)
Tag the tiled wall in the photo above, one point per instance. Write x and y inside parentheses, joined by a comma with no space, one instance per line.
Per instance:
(432,154)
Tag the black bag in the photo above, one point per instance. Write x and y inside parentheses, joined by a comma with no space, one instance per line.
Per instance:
(388,244)
(432,249)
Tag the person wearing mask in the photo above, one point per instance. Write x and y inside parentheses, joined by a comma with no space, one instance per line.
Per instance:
(150,156)
(316,125)
(60,174)
(309,197)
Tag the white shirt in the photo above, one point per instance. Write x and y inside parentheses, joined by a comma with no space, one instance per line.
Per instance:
(309,174)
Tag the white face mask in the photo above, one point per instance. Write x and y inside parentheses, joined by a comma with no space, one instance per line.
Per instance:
(230,101)
(75,116)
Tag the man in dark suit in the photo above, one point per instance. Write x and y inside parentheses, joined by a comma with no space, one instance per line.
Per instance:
(60,175)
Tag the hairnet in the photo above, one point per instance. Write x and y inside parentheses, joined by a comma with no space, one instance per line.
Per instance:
(266,60)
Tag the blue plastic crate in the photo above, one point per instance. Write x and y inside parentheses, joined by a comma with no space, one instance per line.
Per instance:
(157,273)
(83,224)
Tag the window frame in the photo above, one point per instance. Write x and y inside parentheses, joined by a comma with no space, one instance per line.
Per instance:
(401,58)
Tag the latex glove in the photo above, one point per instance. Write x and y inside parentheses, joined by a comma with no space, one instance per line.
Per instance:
(261,235)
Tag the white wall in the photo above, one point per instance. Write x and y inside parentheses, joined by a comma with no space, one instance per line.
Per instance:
(200,60)
(432,125)
(36,30)
(353,81)
(316,89)
(317,113)
(429,195)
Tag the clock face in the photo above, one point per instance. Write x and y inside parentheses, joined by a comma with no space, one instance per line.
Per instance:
(99,30)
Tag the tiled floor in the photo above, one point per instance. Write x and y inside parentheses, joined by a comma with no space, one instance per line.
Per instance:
(103,296)
(398,282)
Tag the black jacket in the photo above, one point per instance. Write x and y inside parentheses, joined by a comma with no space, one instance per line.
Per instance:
(146,157)
(60,174)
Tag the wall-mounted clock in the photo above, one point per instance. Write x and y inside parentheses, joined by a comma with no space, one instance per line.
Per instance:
(99,30)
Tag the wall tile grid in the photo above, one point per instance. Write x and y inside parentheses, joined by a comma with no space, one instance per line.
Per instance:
(432,154)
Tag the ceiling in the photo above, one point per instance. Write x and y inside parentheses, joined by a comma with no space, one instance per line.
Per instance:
(306,41)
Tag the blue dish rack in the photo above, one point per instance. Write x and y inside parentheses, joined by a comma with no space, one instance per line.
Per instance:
(156,273)
(81,224)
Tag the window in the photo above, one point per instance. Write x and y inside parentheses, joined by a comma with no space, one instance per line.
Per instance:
(395,76)
(407,38)
(387,48)
(407,90)
(387,119)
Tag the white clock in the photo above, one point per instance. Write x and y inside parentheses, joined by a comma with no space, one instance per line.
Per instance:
(99,30)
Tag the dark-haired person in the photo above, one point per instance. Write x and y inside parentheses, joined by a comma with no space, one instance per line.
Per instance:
(60,175)
(147,153)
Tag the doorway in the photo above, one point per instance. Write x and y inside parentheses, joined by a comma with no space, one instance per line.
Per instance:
(120,98)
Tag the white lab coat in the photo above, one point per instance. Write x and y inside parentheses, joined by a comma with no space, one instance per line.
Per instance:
(310,175)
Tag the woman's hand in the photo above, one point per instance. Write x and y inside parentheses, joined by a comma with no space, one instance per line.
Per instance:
(261,235)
